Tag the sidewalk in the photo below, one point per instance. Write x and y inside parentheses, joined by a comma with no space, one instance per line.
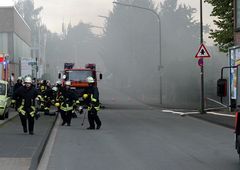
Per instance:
(21,151)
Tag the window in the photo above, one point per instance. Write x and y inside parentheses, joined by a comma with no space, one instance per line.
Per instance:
(2,89)
(76,75)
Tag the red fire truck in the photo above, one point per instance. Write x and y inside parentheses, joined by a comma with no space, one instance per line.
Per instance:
(78,76)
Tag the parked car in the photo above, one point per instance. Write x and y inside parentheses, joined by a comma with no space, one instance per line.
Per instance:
(5,99)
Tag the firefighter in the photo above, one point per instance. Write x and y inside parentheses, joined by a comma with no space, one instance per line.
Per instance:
(49,97)
(91,99)
(67,101)
(16,86)
(58,94)
(43,99)
(43,86)
(26,96)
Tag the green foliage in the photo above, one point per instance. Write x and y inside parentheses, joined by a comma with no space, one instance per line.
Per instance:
(223,35)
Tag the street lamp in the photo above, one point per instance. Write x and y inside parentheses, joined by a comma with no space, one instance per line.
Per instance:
(160,44)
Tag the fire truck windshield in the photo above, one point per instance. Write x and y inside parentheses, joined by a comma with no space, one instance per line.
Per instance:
(78,75)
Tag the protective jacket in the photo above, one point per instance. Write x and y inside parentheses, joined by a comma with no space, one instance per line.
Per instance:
(67,100)
(17,86)
(26,97)
(92,101)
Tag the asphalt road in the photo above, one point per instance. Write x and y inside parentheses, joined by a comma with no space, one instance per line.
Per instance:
(137,137)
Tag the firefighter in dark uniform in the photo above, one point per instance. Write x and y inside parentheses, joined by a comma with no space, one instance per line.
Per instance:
(49,96)
(26,95)
(58,95)
(43,86)
(44,98)
(67,100)
(16,86)
(91,99)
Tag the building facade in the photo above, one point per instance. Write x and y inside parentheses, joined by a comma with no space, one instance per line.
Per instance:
(15,42)
(237,22)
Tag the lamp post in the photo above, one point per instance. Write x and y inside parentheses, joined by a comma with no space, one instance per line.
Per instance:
(160,44)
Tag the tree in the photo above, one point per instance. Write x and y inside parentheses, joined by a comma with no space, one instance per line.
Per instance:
(78,45)
(223,35)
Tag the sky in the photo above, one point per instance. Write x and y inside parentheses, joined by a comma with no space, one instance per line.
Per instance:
(56,12)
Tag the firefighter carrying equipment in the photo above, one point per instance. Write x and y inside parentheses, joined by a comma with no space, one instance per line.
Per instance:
(93,104)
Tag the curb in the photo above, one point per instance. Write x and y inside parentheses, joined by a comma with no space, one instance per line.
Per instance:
(8,119)
(38,154)
(226,122)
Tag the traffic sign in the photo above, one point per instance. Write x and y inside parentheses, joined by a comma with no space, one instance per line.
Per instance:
(200,62)
(202,52)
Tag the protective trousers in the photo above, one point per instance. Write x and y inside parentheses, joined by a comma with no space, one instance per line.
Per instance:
(47,107)
(24,119)
(93,118)
(66,117)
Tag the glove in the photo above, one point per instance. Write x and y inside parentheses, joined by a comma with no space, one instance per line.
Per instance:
(37,116)
(81,111)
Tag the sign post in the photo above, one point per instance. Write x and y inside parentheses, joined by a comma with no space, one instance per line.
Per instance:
(201,54)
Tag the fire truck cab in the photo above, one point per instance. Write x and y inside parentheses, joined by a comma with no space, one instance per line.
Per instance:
(78,76)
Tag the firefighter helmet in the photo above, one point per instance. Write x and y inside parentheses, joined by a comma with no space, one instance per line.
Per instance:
(28,80)
(90,79)
(85,96)
(55,89)
(68,83)
(19,78)
(57,104)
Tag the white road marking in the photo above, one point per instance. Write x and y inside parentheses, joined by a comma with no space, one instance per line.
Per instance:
(221,114)
(189,113)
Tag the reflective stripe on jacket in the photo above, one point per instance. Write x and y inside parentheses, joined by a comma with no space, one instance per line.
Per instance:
(94,104)
(66,107)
